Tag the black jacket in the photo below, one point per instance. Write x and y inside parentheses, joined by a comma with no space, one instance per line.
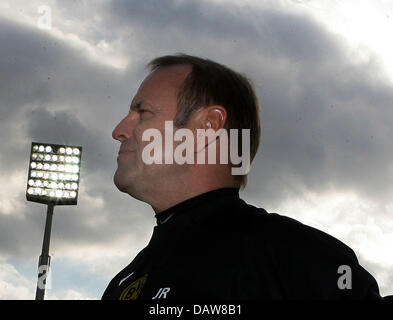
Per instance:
(216,246)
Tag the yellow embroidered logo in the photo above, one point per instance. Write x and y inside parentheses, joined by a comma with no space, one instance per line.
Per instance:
(134,289)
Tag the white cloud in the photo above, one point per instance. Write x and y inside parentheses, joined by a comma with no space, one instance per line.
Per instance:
(13,285)
(12,186)
(76,295)
(102,260)
(355,221)
(16,286)
(365,26)
(69,294)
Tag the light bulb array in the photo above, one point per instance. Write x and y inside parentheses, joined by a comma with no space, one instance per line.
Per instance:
(54,173)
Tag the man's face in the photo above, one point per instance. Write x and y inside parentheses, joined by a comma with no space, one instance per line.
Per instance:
(154,103)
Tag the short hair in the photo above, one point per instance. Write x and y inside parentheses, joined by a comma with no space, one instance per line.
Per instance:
(211,83)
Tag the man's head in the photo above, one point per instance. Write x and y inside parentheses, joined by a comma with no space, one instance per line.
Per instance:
(194,93)
(210,83)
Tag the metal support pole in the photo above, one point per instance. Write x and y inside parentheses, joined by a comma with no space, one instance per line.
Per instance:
(44,261)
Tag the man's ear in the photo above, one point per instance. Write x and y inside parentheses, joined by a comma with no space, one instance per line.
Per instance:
(215,117)
(205,123)
(211,117)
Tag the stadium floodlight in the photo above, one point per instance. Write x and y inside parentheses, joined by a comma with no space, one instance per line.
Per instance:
(53,179)
(53,174)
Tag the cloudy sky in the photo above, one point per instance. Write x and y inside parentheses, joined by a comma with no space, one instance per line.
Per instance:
(323,70)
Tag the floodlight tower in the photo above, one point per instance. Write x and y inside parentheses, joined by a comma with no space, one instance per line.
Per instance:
(53,179)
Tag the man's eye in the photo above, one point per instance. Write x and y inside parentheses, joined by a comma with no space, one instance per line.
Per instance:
(144,113)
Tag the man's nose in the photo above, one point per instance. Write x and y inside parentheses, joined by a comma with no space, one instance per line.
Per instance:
(122,131)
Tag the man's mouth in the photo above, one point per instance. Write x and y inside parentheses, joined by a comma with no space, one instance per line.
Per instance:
(125,151)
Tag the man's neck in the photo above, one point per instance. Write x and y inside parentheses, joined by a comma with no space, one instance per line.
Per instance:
(170,199)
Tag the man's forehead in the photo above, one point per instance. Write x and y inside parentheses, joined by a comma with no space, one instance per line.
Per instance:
(163,81)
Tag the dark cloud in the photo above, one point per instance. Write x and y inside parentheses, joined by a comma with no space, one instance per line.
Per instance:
(52,93)
(61,127)
(326,121)
(325,118)
(332,131)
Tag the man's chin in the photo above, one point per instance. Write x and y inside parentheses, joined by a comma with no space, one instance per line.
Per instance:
(120,183)
(126,184)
